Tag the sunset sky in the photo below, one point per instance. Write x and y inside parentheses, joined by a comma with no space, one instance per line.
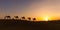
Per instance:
(30,8)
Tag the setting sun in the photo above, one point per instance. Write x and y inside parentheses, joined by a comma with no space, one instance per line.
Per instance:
(46,19)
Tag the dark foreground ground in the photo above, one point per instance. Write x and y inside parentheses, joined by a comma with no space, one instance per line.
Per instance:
(28,25)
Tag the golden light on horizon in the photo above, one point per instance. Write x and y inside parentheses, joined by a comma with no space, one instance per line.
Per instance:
(46,19)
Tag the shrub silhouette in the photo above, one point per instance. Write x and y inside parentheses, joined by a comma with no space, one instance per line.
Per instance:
(29,18)
(7,17)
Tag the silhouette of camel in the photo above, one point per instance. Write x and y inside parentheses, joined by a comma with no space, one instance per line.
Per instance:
(16,17)
(23,18)
(7,17)
(34,18)
(29,18)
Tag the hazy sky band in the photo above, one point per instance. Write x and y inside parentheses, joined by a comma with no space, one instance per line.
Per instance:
(32,8)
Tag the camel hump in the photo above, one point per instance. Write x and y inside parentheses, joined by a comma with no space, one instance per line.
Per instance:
(15,16)
(7,17)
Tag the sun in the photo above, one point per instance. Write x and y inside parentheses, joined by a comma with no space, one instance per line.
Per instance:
(46,19)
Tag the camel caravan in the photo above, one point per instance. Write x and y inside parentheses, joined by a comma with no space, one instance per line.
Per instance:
(17,18)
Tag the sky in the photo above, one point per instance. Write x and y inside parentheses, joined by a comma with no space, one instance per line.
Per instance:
(30,8)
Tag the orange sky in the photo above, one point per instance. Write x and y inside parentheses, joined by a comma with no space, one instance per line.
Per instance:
(36,8)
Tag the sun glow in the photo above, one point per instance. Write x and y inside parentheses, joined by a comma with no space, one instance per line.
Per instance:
(46,19)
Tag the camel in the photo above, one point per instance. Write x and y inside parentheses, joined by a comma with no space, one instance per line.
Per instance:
(7,17)
(16,17)
(29,18)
